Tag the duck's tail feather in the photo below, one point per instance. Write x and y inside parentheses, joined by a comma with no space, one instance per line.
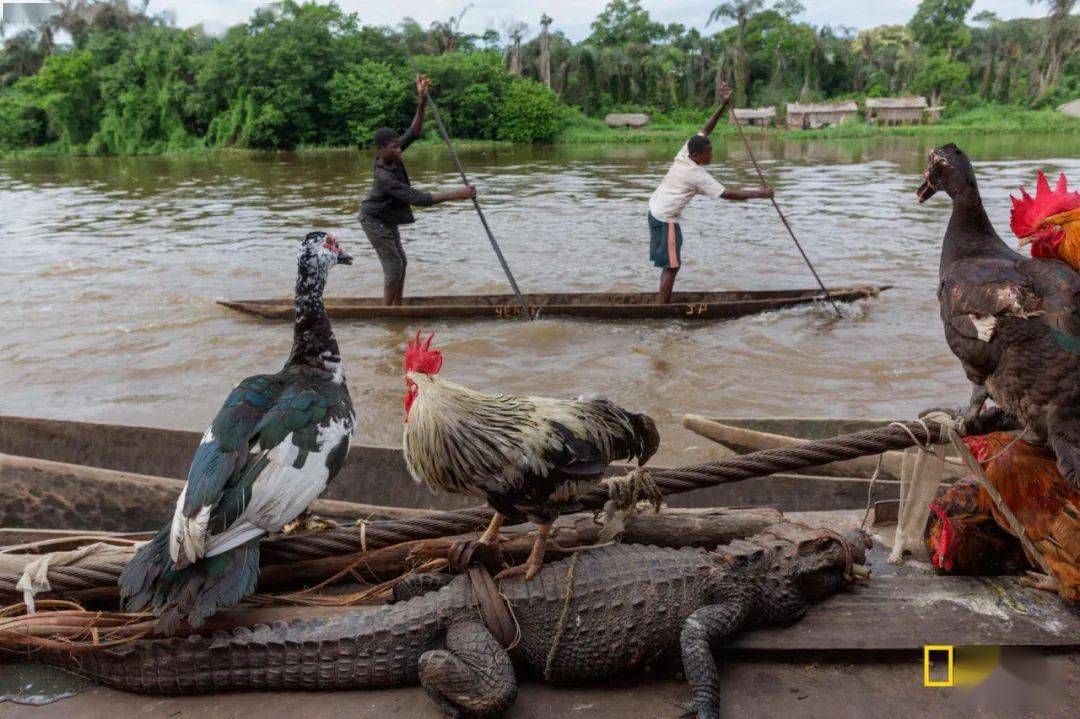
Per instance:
(192,593)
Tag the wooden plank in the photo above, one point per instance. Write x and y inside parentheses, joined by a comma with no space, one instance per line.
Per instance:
(905,613)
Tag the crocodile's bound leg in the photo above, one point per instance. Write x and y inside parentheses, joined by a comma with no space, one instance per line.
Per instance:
(491,534)
(473,676)
(535,561)
(700,632)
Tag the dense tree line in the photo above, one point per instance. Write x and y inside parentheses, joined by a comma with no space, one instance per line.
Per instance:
(124,81)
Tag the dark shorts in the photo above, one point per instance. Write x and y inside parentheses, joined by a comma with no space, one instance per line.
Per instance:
(386,240)
(665,243)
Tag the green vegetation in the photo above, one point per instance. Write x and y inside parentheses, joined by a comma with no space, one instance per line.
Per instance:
(310,75)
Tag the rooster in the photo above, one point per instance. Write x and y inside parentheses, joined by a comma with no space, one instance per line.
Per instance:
(1027,478)
(1049,221)
(1011,320)
(524,455)
(963,537)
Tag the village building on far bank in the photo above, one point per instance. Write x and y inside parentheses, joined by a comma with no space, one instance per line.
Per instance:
(896,110)
(819,114)
(760,116)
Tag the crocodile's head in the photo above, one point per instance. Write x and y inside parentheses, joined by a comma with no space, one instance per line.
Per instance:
(823,561)
(819,562)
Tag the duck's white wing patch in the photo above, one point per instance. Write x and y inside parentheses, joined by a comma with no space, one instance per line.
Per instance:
(282,491)
(984,326)
(187,535)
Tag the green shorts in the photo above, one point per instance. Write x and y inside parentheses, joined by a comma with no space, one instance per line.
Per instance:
(665,243)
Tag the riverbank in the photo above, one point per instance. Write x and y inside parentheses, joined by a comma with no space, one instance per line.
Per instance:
(998,120)
(583,131)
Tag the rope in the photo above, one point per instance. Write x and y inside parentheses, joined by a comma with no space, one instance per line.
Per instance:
(376,535)
(870,489)
(560,627)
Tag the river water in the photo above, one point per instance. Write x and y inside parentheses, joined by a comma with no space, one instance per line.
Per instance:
(112,265)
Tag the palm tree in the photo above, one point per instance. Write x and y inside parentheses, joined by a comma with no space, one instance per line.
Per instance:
(545,50)
(516,32)
(448,34)
(1061,39)
(740,12)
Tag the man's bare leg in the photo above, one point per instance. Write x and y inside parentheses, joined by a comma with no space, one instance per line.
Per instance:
(667,284)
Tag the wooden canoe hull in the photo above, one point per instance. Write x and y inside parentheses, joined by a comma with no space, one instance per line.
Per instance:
(378,475)
(590,305)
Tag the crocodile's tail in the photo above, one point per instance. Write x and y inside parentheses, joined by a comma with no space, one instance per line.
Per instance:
(192,593)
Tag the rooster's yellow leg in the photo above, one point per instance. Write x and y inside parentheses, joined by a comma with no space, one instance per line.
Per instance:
(491,534)
(535,561)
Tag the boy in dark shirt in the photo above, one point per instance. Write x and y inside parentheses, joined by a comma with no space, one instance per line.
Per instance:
(392,196)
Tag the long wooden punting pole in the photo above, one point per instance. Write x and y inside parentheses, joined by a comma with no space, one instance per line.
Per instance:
(761,178)
(476,203)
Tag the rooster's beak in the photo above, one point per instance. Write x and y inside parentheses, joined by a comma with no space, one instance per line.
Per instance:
(1027,240)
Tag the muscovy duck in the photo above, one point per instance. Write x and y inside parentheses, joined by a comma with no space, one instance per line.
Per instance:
(1012,321)
(268,454)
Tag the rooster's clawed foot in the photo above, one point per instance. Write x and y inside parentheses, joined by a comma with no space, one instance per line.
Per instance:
(309,522)
(1038,580)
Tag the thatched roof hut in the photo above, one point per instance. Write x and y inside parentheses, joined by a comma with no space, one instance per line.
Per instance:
(627,119)
(819,114)
(761,116)
(896,110)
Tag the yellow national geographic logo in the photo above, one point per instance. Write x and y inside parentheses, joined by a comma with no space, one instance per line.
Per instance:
(937,657)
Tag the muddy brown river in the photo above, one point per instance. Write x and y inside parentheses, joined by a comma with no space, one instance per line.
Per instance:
(112,265)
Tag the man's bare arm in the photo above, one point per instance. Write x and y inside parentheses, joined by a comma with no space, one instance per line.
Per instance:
(422,84)
(763,193)
(710,124)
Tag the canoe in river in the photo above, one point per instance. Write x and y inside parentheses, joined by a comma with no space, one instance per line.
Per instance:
(595,305)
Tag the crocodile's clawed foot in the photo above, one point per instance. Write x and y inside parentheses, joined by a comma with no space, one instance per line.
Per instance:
(1038,580)
(532,565)
(309,522)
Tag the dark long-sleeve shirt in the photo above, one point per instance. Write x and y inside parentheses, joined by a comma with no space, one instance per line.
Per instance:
(392,196)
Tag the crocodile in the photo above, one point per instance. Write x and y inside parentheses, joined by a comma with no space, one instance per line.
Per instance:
(598,614)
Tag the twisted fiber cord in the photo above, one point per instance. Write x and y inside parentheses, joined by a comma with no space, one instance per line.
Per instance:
(377,535)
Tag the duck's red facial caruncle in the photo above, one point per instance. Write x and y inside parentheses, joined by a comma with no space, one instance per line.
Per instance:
(419,358)
(331,243)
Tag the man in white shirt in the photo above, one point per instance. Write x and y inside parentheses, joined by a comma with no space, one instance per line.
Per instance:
(686,178)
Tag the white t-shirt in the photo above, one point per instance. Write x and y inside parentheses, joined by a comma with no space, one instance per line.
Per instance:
(685,179)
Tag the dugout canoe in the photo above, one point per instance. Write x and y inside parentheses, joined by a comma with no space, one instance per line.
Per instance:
(371,475)
(589,305)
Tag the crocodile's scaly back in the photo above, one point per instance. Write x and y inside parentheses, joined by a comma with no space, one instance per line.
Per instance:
(368,649)
(626,607)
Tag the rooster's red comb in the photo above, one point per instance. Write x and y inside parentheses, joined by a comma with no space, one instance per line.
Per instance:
(419,357)
(979,445)
(1029,212)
